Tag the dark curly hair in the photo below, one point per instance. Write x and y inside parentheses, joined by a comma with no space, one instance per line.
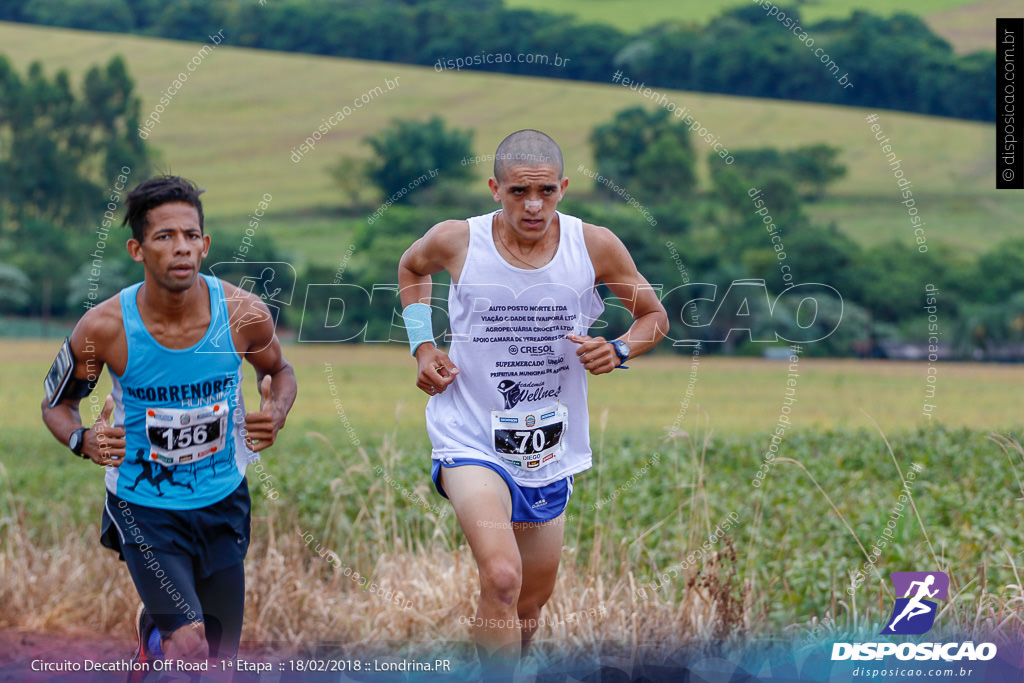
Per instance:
(155,192)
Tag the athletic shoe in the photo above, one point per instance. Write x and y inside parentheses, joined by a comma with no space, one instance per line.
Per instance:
(144,626)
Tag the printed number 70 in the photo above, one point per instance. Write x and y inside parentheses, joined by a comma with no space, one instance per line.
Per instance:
(538,440)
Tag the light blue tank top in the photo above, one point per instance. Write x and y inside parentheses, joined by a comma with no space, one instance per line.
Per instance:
(182,412)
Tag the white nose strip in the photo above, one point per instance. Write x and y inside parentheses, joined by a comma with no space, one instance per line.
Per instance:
(534,204)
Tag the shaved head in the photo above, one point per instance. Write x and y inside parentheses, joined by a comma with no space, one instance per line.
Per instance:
(526,148)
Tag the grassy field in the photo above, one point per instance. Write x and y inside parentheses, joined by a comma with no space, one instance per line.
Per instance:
(971,26)
(971,223)
(630,16)
(738,395)
(234,123)
(352,480)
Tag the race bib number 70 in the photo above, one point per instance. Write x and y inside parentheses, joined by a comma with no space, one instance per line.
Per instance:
(186,435)
(529,439)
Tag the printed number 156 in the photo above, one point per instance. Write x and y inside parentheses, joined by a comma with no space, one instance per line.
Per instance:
(185,437)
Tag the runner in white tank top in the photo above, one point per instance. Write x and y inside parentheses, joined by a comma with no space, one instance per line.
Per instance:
(508,413)
(521,402)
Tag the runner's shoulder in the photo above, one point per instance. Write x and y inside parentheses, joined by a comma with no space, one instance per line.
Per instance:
(453,229)
(449,237)
(599,239)
(241,300)
(102,323)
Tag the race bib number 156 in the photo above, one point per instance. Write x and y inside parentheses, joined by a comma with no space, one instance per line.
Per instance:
(178,436)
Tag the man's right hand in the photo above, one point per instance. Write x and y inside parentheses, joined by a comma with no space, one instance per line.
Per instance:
(104,443)
(436,369)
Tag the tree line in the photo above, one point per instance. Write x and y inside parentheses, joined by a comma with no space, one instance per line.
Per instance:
(759,50)
(67,157)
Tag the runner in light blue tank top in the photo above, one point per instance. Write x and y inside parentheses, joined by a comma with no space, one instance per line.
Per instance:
(182,418)
(174,436)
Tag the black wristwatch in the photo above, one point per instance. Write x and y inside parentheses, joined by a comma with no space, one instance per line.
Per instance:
(77,440)
(622,351)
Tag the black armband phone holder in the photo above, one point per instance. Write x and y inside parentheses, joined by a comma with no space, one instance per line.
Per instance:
(60,382)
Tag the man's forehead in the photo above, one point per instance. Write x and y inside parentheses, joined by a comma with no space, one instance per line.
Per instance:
(174,212)
(531,175)
(172,215)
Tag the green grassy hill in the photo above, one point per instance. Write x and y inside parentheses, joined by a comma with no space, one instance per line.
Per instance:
(233,124)
(971,26)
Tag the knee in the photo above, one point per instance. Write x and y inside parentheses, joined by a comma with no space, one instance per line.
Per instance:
(188,642)
(501,580)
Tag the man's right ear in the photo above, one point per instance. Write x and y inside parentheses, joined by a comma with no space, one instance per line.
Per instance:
(135,249)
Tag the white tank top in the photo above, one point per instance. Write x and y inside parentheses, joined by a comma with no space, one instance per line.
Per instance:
(520,400)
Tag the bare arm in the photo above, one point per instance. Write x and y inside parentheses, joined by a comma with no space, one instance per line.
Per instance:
(257,342)
(614,267)
(91,344)
(444,247)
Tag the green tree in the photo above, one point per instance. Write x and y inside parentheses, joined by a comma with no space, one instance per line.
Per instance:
(190,20)
(983,329)
(59,152)
(649,153)
(661,54)
(750,212)
(810,168)
(814,167)
(665,169)
(349,174)
(1001,271)
(406,151)
(892,276)
(825,255)
(14,289)
(145,13)
(118,272)
(837,324)
(91,15)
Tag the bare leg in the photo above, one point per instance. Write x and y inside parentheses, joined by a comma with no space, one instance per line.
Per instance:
(483,507)
(540,546)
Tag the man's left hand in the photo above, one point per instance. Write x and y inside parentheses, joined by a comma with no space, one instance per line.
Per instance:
(261,428)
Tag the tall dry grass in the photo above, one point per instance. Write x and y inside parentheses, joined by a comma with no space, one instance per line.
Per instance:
(300,602)
(310,590)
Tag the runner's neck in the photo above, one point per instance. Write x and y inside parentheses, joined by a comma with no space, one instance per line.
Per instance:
(535,255)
